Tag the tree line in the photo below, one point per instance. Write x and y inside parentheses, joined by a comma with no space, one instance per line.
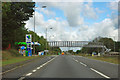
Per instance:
(14,15)
(108,42)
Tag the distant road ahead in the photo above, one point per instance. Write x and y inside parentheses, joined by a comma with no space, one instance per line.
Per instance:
(68,66)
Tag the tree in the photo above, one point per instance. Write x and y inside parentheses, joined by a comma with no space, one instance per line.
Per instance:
(70,51)
(78,51)
(108,42)
(13,19)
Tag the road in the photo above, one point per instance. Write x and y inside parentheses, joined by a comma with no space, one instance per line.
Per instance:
(65,66)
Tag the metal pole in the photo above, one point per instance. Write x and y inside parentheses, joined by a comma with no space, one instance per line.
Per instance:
(51,43)
(34,30)
(46,38)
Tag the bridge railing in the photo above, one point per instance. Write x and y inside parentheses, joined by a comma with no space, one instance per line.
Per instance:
(74,44)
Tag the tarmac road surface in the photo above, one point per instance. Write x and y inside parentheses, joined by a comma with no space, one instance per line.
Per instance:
(65,66)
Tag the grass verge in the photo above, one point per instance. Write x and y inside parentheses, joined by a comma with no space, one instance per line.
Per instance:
(12,56)
(111,59)
(17,59)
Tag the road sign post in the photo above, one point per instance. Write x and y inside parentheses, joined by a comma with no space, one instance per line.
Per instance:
(29,46)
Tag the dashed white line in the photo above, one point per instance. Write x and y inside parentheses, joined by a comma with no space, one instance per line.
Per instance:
(99,73)
(34,70)
(83,64)
(44,64)
(28,74)
(76,60)
(38,67)
(21,78)
(41,66)
(94,70)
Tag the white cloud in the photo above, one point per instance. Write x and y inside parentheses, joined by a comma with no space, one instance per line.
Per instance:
(105,28)
(113,5)
(47,12)
(73,11)
(89,11)
(61,28)
(39,21)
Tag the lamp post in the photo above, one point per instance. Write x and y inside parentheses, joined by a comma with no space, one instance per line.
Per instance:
(49,40)
(50,37)
(34,30)
(34,25)
(46,37)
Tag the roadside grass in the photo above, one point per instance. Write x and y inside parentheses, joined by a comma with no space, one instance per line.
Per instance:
(17,59)
(12,56)
(111,59)
(9,54)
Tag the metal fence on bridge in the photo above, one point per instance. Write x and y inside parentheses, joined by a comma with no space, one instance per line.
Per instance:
(74,44)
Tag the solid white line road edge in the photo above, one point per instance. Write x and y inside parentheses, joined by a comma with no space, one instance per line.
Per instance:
(100,73)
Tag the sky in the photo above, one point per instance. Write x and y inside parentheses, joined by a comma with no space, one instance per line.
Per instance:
(75,21)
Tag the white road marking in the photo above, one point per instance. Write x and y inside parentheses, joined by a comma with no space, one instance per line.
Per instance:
(93,69)
(76,60)
(14,68)
(34,70)
(21,78)
(48,61)
(28,74)
(83,64)
(41,66)
(99,73)
(9,70)
(38,67)
(45,63)
(73,59)
(99,61)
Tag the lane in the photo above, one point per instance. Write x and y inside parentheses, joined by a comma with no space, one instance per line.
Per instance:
(20,71)
(109,69)
(64,66)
